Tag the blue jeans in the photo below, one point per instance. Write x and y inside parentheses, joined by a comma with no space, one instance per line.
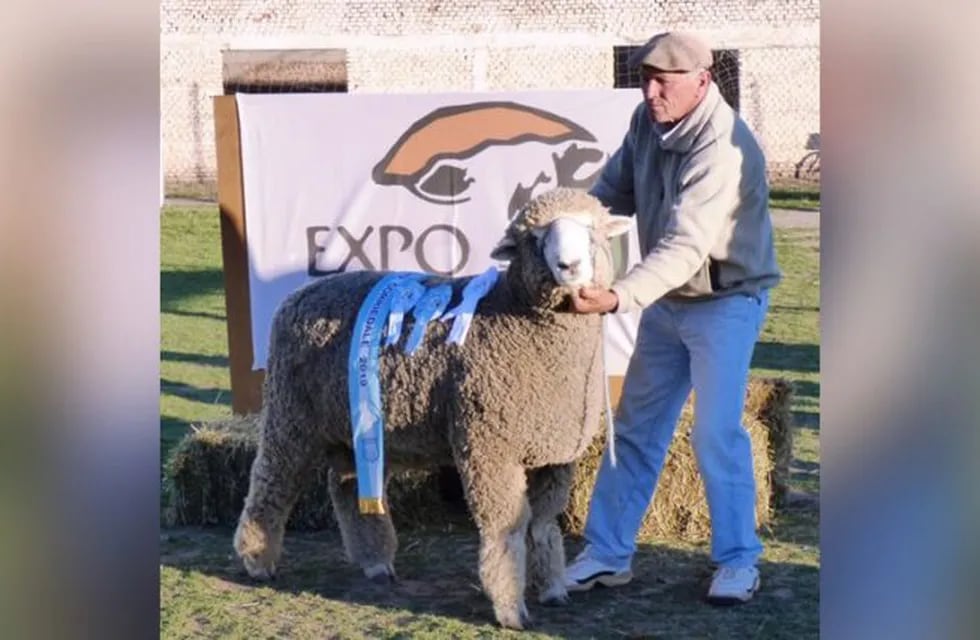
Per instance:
(708,346)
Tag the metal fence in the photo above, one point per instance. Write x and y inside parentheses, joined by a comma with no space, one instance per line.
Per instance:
(767,60)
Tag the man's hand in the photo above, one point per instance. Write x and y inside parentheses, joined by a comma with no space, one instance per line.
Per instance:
(594,300)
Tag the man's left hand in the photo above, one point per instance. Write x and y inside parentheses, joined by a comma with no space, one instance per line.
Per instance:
(594,300)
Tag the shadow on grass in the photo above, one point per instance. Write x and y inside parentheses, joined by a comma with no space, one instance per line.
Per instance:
(178,285)
(806,420)
(196,358)
(806,388)
(793,309)
(171,431)
(195,314)
(211,395)
(787,357)
(438,577)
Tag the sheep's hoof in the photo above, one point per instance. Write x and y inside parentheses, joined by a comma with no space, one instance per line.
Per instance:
(556,596)
(381,574)
(514,617)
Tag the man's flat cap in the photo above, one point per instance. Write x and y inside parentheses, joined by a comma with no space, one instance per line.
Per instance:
(673,51)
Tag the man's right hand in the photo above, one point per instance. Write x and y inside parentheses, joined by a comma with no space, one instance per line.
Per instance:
(594,300)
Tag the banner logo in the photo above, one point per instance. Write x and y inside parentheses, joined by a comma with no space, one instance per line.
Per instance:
(430,157)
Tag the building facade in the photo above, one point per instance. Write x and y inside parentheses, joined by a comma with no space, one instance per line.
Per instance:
(767,53)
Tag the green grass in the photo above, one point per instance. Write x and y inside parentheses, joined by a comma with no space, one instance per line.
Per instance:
(205,592)
(788,196)
(194,383)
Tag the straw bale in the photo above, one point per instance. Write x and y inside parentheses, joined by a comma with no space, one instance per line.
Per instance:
(679,509)
(208,476)
(208,473)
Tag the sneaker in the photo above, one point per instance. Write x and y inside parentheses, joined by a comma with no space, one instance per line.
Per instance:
(586,572)
(733,586)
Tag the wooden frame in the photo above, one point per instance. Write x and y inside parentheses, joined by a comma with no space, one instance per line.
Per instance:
(246,384)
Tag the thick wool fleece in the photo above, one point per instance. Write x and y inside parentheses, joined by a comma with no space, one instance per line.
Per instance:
(505,391)
(541,211)
(511,408)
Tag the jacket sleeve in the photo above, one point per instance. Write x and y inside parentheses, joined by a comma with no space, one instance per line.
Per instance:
(708,188)
(614,188)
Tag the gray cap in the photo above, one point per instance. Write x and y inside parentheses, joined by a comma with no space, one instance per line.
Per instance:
(673,51)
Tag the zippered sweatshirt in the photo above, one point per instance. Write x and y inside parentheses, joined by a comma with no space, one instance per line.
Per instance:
(701,200)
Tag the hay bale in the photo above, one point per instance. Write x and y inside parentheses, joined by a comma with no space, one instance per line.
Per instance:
(770,399)
(679,509)
(208,473)
(207,480)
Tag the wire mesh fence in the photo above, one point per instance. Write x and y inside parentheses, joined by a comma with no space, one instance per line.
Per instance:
(766,60)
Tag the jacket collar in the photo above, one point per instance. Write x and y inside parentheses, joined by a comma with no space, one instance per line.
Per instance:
(680,138)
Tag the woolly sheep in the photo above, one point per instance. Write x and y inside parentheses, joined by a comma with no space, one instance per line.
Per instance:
(512,407)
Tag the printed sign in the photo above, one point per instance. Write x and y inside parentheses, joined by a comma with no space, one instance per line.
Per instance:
(428,182)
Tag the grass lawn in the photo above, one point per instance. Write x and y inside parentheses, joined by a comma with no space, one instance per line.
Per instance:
(794,195)
(205,592)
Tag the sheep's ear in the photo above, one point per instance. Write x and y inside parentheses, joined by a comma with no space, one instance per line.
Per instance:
(506,249)
(617,226)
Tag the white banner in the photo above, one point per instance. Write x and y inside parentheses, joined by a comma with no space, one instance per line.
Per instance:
(428,182)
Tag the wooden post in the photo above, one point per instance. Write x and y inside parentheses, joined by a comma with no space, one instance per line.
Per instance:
(246,385)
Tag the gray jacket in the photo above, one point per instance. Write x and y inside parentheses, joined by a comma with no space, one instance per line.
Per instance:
(701,199)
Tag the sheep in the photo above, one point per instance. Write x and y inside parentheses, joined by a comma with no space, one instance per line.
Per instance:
(512,407)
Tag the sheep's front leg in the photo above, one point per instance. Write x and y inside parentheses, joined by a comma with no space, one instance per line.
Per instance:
(495,493)
(548,491)
(276,479)
(369,539)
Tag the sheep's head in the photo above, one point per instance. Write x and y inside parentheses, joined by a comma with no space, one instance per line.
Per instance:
(558,242)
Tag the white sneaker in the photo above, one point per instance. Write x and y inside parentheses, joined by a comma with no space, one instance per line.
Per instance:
(586,572)
(733,586)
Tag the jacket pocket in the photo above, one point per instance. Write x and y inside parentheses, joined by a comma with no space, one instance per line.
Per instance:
(702,284)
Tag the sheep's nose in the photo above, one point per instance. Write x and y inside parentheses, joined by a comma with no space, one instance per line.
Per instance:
(569,266)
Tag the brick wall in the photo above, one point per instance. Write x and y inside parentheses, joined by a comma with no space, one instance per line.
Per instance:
(442,45)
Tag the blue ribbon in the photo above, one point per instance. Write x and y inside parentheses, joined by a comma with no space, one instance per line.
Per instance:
(474,290)
(406,298)
(367,419)
(427,309)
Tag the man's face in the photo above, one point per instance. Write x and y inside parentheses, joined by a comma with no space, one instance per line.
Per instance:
(671,95)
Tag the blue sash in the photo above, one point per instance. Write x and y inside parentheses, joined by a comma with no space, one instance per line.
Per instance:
(367,418)
(405,299)
(430,307)
(384,308)
(473,292)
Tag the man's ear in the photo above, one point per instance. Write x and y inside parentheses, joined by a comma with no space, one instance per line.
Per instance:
(705,79)
(506,249)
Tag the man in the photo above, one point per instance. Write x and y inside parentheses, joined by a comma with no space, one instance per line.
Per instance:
(693,174)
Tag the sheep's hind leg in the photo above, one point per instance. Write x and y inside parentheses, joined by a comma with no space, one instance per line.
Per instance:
(369,539)
(276,480)
(495,493)
(548,491)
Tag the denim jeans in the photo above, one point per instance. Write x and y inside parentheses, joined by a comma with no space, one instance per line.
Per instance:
(706,345)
